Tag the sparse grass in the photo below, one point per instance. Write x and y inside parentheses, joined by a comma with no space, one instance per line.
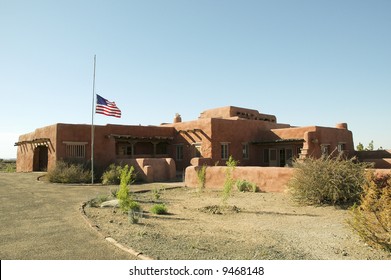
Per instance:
(156,194)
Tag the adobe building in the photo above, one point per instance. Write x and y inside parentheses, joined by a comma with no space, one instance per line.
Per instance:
(253,138)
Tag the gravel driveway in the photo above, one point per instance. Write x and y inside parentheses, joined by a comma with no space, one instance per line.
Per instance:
(42,221)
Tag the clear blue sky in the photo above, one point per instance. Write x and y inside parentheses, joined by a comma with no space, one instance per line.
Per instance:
(307,62)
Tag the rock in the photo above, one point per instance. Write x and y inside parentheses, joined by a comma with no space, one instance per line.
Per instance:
(110,203)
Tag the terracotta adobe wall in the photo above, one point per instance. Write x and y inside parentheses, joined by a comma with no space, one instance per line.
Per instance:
(315,136)
(268,179)
(189,134)
(237,132)
(104,143)
(28,153)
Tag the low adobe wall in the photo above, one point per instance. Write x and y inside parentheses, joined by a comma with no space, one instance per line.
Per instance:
(380,158)
(152,169)
(268,179)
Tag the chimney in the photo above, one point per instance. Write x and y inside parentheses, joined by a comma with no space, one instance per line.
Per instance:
(342,125)
(177,118)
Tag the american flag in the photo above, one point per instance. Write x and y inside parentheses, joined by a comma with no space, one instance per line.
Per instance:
(105,107)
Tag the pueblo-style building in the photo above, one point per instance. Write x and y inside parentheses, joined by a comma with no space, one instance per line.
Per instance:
(252,138)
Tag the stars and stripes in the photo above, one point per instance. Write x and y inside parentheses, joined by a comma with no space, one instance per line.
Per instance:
(105,107)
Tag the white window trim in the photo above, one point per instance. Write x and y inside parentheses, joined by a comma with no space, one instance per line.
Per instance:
(246,156)
(227,153)
(176,152)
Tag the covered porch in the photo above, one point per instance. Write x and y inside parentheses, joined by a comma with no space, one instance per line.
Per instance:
(130,147)
(280,152)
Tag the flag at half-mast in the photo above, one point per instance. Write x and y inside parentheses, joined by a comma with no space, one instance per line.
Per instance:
(105,107)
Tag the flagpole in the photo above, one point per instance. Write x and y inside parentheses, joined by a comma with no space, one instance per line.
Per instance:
(92,124)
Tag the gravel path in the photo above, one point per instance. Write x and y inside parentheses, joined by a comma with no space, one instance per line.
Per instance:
(43,221)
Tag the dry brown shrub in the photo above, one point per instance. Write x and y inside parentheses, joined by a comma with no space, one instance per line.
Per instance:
(372,218)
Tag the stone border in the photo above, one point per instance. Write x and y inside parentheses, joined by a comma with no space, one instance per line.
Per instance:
(109,239)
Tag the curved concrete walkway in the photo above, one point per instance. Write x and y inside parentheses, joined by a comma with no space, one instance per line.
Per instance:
(42,221)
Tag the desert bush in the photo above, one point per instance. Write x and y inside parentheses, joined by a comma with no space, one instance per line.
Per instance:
(159,209)
(112,175)
(229,180)
(126,178)
(201,177)
(371,219)
(246,186)
(67,173)
(334,181)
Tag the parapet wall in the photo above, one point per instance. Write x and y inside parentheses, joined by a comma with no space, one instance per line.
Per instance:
(268,179)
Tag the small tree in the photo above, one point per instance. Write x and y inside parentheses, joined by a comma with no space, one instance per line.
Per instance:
(126,178)
(229,181)
(201,177)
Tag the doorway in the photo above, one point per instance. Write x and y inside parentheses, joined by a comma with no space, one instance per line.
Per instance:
(40,161)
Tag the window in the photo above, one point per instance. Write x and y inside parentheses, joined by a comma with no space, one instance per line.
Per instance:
(325,149)
(124,149)
(299,149)
(273,155)
(266,155)
(197,150)
(246,151)
(179,152)
(341,147)
(76,150)
(161,148)
(224,150)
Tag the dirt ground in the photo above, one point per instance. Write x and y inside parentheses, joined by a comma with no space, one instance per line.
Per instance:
(252,226)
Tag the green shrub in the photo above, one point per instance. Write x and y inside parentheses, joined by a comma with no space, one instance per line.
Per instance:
(159,209)
(69,173)
(201,177)
(372,218)
(125,199)
(112,175)
(332,181)
(229,181)
(246,186)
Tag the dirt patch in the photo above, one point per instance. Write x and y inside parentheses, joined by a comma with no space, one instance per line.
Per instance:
(250,226)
